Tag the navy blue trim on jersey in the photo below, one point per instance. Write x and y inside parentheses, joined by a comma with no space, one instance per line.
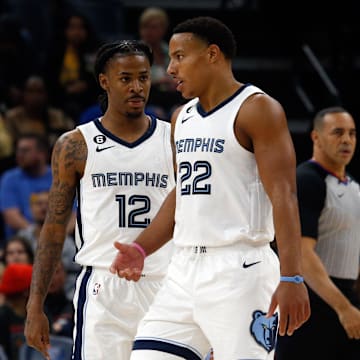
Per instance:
(169,348)
(80,314)
(144,137)
(78,218)
(203,113)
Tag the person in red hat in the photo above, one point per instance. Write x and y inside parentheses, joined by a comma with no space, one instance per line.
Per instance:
(15,285)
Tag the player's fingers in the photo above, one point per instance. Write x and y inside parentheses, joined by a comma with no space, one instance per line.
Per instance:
(130,274)
(120,246)
(112,268)
(283,323)
(272,308)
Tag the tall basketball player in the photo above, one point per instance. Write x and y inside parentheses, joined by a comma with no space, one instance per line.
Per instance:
(236,188)
(120,168)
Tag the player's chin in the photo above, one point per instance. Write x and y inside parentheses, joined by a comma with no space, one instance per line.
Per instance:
(135,113)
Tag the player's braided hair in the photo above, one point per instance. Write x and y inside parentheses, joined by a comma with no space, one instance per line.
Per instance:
(122,48)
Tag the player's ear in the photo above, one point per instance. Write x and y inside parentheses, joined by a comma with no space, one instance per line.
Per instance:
(103,81)
(213,52)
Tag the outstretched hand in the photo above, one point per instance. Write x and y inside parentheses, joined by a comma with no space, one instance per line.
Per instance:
(128,263)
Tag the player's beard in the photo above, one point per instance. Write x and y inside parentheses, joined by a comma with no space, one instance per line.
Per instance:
(134,114)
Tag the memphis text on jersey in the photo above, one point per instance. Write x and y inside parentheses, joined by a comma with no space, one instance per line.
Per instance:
(129,179)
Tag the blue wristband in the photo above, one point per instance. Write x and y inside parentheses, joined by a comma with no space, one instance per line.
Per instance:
(297,279)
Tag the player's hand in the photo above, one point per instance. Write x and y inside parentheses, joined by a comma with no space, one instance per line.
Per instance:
(128,262)
(294,306)
(350,320)
(37,332)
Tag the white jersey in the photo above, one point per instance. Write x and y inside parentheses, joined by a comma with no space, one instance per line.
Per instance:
(220,199)
(123,187)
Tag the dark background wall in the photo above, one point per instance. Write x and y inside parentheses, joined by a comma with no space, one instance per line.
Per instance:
(304,53)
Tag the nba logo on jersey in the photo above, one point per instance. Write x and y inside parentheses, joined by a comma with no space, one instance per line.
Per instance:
(264,329)
(96,289)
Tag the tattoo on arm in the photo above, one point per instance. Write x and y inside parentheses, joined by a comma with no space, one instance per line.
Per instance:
(68,161)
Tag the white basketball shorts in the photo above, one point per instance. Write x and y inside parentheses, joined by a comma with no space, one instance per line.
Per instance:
(213,297)
(107,313)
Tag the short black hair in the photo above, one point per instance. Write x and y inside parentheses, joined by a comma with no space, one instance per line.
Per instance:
(121,47)
(210,30)
(319,116)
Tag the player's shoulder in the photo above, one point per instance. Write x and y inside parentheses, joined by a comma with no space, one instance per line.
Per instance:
(71,142)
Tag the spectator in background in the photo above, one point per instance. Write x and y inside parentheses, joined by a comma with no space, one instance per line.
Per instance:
(15,285)
(329,203)
(39,205)
(18,250)
(69,66)
(36,115)
(153,28)
(32,174)
(58,308)
(7,159)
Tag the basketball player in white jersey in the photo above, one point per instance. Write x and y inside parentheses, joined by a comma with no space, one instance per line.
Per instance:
(235,189)
(120,168)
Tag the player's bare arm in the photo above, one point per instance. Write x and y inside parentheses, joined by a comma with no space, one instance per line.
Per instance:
(68,159)
(262,128)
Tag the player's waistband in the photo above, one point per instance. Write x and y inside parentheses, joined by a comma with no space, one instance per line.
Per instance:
(106,272)
(202,249)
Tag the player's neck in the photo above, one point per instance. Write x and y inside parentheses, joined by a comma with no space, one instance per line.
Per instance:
(127,128)
(215,95)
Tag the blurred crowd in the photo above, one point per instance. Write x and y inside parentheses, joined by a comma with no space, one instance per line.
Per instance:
(47,87)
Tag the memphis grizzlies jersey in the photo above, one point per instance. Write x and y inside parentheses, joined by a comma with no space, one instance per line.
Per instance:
(123,187)
(220,198)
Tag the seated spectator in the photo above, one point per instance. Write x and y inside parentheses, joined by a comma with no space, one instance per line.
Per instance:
(69,66)
(32,174)
(18,250)
(36,115)
(58,307)
(15,285)
(7,159)
(153,27)
(38,206)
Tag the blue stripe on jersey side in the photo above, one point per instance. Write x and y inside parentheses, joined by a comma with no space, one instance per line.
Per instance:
(80,314)
(144,137)
(163,346)
(78,218)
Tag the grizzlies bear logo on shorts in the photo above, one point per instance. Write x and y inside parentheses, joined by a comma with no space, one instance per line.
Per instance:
(264,329)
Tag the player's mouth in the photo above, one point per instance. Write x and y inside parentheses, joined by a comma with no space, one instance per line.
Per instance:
(136,101)
(179,85)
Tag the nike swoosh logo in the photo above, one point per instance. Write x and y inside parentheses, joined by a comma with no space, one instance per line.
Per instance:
(186,119)
(245,265)
(340,195)
(104,148)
